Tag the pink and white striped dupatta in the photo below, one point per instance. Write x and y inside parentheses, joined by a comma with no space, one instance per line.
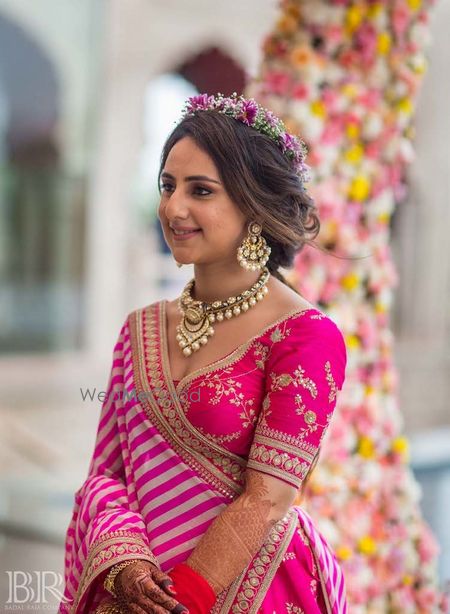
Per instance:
(155,484)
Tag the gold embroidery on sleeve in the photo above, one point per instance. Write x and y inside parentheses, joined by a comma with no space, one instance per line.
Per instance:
(278,453)
(331,382)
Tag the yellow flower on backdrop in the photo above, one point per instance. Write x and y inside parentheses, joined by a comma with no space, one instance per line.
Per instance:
(343,552)
(367,545)
(366,447)
(359,188)
(383,43)
(350,281)
(354,154)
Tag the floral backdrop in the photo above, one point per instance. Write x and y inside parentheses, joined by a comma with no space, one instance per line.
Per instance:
(345,76)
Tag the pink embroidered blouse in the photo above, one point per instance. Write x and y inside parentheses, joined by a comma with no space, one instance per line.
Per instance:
(272,398)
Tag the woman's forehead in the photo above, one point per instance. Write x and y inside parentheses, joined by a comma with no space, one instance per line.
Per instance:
(186,157)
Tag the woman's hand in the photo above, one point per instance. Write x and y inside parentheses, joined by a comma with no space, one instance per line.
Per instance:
(142,588)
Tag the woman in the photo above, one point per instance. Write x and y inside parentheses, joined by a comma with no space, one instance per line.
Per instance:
(218,401)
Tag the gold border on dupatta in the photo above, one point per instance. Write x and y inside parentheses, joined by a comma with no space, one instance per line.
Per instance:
(107,550)
(319,569)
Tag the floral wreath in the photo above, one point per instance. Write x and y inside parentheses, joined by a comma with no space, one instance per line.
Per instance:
(249,112)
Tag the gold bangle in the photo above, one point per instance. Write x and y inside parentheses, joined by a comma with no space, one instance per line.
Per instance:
(109,607)
(108,584)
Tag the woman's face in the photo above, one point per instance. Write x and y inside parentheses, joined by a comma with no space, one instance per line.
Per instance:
(193,196)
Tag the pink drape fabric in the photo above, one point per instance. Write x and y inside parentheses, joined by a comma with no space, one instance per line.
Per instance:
(169,456)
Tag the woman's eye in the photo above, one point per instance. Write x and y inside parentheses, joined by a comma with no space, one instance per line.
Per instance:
(205,192)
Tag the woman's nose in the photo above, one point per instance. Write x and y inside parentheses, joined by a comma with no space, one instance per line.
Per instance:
(176,206)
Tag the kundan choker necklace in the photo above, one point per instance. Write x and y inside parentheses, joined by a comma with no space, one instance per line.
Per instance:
(198,316)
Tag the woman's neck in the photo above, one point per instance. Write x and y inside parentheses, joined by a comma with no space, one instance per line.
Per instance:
(218,285)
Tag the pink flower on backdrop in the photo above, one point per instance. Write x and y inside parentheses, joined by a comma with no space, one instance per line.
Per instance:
(379,525)
(389,429)
(428,547)
(349,58)
(300,91)
(394,174)
(356,562)
(373,150)
(329,291)
(356,509)
(400,18)
(364,234)
(335,272)
(353,118)
(352,213)
(277,82)
(364,425)
(397,532)
(314,158)
(396,561)
(365,41)
(412,47)
(368,333)
(382,253)
(400,192)
(336,445)
(404,598)
(370,98)
(332,133)
(424,17)
(333,34)
(426,598)
(359,595)
(374,589)
(328,509)
(327,207)
(281,47)
(408,77)
(379,186)
(330,99)
(277,47)
(445,603)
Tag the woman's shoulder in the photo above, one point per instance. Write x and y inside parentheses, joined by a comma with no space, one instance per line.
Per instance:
(146,308)
(307,344)
(307,328)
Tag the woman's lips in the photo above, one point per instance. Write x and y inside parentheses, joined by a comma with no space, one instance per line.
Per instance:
(184,236)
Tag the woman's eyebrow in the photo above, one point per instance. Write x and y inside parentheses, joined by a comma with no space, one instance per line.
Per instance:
(191,178)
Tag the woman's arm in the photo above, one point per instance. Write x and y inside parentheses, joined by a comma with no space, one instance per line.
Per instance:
(239,531)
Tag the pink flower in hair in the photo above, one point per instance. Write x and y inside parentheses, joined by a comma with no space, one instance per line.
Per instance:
(249,112)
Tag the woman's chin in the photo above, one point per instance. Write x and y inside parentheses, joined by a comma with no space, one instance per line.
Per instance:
(182,258)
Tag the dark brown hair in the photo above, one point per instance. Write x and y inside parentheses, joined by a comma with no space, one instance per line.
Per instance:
(259,178)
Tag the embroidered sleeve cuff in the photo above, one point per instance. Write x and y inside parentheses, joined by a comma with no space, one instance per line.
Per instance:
(288,460)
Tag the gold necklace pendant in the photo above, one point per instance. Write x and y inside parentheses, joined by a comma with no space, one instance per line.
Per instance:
(194,329)
(196,325)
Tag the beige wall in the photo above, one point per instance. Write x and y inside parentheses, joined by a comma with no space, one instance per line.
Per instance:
(421,316)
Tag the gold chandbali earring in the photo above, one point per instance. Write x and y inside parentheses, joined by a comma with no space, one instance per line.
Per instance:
(198,316)
(253,253)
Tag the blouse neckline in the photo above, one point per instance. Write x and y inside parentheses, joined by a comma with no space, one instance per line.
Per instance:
(210,367)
